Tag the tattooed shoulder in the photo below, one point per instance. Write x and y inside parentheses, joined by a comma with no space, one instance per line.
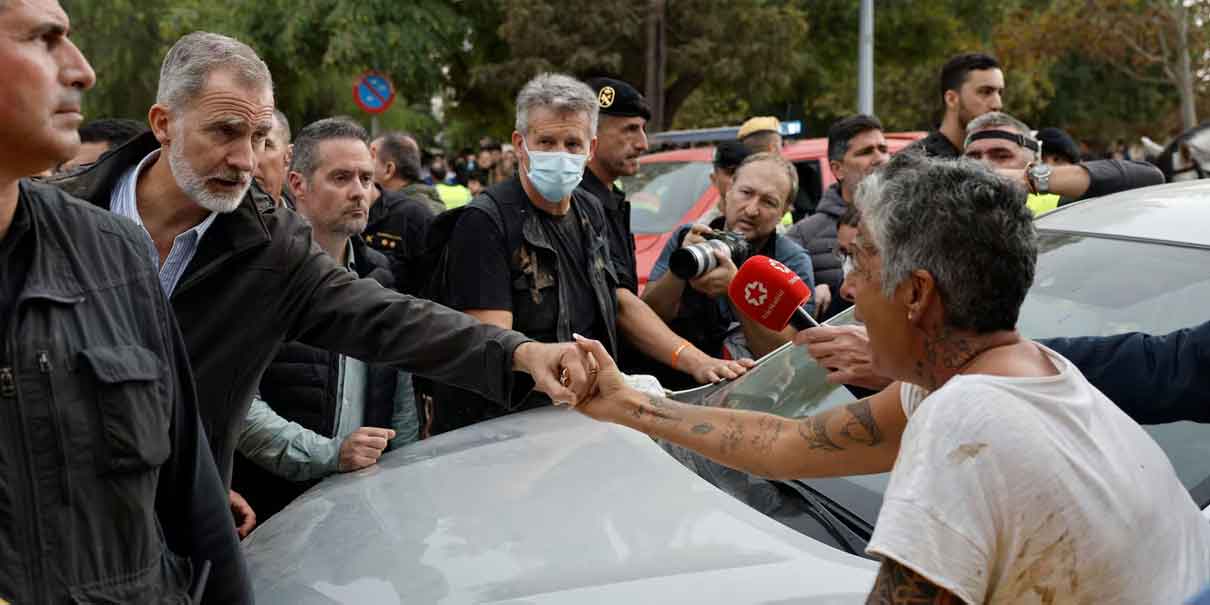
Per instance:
(898,585)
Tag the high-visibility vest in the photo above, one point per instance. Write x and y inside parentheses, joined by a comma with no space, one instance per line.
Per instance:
(1042,203)
(453,195)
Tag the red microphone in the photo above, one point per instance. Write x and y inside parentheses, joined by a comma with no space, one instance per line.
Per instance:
(771,294)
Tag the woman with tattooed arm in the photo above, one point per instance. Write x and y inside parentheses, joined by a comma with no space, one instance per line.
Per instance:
(1003,488)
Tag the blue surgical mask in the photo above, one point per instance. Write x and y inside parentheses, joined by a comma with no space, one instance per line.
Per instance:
(555,174)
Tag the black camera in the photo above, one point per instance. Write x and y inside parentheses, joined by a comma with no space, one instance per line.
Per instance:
(697,260)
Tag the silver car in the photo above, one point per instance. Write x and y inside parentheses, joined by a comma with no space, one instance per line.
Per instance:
(550,507)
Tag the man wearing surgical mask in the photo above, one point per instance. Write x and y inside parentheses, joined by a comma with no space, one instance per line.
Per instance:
(532,253)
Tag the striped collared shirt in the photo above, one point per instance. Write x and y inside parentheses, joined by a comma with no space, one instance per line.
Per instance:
(123,203)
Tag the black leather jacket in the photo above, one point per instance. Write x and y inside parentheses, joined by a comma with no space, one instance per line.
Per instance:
(108,492)
(258,280)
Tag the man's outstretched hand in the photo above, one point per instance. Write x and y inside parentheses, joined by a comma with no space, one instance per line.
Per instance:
(561,370)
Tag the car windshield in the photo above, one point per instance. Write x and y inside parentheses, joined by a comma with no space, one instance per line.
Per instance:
(662,192)
(1085,286)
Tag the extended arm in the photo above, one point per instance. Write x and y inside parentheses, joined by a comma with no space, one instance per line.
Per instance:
(1154,379)
(862,437)
(643,327)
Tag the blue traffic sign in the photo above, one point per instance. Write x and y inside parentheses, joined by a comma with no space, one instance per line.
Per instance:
(373,92)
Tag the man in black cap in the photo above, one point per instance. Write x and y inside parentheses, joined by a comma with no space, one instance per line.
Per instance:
(621,139)
(1058,149)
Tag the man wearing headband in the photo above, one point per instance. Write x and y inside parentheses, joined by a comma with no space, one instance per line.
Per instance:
(1005,143)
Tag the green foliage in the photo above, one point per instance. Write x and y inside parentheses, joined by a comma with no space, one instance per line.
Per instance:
(315,49)
(1065,60)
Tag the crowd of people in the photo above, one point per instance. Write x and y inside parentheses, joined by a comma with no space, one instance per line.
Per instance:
(206,312)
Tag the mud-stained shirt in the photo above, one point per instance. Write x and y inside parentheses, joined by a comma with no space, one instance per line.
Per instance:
(1038,490)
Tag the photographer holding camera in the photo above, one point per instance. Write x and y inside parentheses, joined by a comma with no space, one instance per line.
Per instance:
(688,285)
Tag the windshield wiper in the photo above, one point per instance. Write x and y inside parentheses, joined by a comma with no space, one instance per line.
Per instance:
(849,530)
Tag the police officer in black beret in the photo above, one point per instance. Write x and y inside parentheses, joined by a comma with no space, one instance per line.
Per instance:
(621,139)
(648,342)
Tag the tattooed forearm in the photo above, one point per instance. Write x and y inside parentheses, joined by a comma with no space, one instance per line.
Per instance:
(814,429)
(898,585)
(657,411)
(733,435)
(768,429)
(860,426)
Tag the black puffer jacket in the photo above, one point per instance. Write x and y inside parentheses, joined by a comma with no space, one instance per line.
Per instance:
(301,385)
(108,493)
(817,235)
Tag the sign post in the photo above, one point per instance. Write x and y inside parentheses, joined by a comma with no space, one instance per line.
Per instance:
(374,94)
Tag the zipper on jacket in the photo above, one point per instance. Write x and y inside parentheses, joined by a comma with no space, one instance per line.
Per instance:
(44,368)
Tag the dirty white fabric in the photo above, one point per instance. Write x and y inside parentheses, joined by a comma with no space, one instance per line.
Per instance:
(1038,490)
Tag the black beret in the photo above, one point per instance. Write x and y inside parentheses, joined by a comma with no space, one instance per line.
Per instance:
(620,99)
(730,154)
(1058,142)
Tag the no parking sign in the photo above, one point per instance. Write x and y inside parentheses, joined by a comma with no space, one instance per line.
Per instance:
(373,92)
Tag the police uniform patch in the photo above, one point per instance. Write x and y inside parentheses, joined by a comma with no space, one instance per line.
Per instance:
(606,96)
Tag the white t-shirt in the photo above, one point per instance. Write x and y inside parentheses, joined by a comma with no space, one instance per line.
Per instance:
(1038,490)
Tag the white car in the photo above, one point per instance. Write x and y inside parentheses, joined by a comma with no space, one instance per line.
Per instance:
(550,507)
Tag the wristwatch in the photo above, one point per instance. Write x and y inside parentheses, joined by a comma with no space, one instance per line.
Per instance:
(1039,177)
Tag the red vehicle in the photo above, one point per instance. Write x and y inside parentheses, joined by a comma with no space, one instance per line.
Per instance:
(673,188)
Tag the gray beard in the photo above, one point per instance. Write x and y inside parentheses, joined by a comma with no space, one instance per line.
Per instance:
(194,185)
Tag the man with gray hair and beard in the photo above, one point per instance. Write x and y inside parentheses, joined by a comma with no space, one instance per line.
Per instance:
(243,276)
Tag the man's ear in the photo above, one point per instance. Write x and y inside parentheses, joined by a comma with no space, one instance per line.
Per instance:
(592,148)
(837,169)
(288,156)
(159,118)
(951,99)
(298,185)
(390,171)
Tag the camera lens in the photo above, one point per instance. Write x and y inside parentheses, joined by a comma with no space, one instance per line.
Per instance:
(694,261)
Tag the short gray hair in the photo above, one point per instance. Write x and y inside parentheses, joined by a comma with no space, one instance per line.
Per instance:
(283,124)
(996,120)
(195,56)
(559,92)
(305,160)
(963,224)
(782,163)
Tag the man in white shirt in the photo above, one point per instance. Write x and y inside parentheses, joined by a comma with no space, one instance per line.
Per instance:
(1014,481)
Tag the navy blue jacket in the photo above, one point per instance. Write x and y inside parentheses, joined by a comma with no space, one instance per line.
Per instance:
(1154,379)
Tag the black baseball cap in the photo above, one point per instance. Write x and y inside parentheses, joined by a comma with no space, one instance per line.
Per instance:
(617,98)
(730,154)
(1058,142)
